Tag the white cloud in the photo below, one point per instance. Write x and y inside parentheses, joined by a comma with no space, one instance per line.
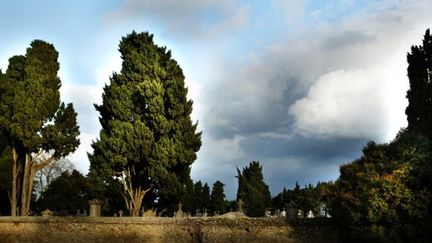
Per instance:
(343,103)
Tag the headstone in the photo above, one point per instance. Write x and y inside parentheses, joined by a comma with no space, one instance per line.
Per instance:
(198,213)
(179,213)
(292,210)
(120,212)
(149,213)
(240,205)
(95,208)
(310,215)
(300,214)
(47,213)
(283,213)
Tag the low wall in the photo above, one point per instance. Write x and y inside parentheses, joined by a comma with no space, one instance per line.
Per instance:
(130,230)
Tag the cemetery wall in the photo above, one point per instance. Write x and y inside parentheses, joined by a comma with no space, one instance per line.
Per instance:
(130,230)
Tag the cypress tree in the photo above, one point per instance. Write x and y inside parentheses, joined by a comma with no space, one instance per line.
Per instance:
(33,119)
(419,110)
(217,198)
(253,190)
(147,135)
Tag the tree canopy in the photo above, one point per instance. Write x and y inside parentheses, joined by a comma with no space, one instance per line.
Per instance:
(147,134)
(419,109)
(253,190)
(32,117)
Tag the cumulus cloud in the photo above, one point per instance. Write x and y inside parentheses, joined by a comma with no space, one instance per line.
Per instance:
(344,103)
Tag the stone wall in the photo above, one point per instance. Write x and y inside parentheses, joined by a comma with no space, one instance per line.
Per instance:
(130,230)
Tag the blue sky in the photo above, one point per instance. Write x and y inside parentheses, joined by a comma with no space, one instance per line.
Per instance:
(299,85)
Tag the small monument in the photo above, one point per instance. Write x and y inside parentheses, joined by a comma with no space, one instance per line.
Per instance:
(47,213)
(148,213)
(283,213)
(95,208)
(310,215)
(300,214)
(292,210)
(179,213)
(240,205)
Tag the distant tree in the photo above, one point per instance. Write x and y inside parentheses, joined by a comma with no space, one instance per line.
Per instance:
(188,197)
(33,119)
(253,190)
(147,135)
(44,176)
(419,110)
(217,198)
(198,196)
(205,197)
(67,193)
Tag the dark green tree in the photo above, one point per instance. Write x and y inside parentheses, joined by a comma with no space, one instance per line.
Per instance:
(147,136)
(253,190)
(205,197)
(67,193)
(217,198)
(419,110)
(198,197)
(38,127)
(375,195)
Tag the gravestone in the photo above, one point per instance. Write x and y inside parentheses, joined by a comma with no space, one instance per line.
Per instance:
(292,210)
(300,214)
(179,213)
(47,213)
(283,213)
(240,205)
(310,215)
(148,213)
(95,208)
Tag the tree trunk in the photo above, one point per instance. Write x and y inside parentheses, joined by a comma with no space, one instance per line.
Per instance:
(133,196)
(25,195)
(15,171)
(30,170)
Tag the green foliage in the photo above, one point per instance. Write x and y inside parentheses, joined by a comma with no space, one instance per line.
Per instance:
(146,125)
(419,110)
(253,190)
(217,198)
(32,118)
(67,193)
(378,195)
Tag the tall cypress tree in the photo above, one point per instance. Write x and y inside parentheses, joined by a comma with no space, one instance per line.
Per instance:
(253,190)
(147,135)
(33,119)
(217,198)
(419,110)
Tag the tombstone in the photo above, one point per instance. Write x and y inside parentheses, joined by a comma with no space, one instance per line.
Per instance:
(179,213)
(283,213)
(95,208)
(300,214)
(292,210)
(277,213)
(198,213)
(240,205)
(120,213)
(47,213)
(310,215)
(148,213)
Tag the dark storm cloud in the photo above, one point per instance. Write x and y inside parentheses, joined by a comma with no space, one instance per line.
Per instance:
(304,106)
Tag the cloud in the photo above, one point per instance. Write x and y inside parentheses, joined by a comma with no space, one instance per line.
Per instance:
(305,104)
(344,103)
(184,19)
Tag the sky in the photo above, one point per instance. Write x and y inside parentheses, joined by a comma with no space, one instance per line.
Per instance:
(300,86)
